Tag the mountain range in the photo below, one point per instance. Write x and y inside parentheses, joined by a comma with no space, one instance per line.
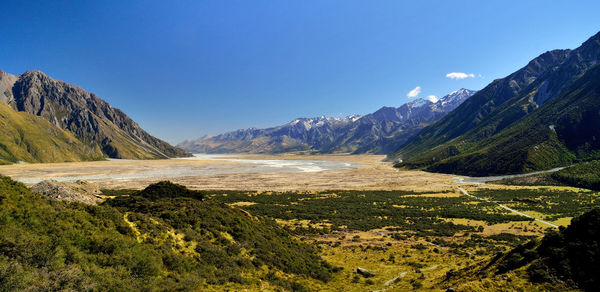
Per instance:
(544,115)
(380,132)
(46,120)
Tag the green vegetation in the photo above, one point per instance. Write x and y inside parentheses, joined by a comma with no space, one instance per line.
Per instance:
(541,179)
(25,137)
(219,232)
(394,233)
(366,210)
(583,175)
(569,255)
(146,241)
(168,190)
(573,253)
(513,136)
(167,237)
(552,203)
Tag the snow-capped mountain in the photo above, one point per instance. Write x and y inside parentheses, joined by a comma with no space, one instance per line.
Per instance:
(454,99)
(380,132)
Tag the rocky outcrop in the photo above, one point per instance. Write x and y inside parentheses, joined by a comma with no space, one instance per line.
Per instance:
(6,83)
(364,272)
(79,191)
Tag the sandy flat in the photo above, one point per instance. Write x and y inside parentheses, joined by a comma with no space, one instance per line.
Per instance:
(282,172)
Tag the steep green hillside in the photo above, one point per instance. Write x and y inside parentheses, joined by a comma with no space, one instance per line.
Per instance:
(25,137)
(163,238)
(471,113)
(562,260)
(583,175)
(550,120)
(563,130)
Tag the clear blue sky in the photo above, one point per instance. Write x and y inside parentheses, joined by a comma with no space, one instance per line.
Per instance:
(183,69)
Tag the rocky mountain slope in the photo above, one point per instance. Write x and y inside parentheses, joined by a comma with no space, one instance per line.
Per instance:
(92,120)
(378,132)
(543,115)
(25,137)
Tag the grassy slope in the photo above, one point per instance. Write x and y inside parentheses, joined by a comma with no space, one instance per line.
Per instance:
(430,144)
(166,239)
(583,175)
(560,131)
(562,260)
(123,145)
(25,137)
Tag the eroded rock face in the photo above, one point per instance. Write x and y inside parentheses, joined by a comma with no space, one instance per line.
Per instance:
(79,191)
(6,83)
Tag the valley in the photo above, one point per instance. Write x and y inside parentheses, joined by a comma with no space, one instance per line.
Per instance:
(300,146)
(410,229)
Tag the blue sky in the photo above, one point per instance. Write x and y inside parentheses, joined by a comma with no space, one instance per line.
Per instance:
(183,69)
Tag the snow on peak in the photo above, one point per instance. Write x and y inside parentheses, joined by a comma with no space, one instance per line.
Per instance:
(459,94)
(432,98)
(353,118)
(419,102)
(309,123)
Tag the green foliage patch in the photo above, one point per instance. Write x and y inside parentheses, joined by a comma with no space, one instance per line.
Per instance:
(142,242)
(583,175)
(554,203)
(515,135)
(569,255)
(366,210)
(572,254)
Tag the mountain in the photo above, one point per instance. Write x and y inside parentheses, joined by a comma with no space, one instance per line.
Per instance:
(25,137)
(92,120)
(542,116)
(379,132)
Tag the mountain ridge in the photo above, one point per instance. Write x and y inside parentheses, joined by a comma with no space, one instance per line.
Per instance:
(378,132)
(92,120)
(463,138)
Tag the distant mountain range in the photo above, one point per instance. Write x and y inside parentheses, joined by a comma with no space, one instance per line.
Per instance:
(46,120)
(544,115)
(380,132)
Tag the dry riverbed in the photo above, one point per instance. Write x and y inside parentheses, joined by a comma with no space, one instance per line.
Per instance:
(243,172)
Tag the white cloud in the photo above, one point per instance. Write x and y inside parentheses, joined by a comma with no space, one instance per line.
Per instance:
(414,93)
(432,98)
(459,75)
